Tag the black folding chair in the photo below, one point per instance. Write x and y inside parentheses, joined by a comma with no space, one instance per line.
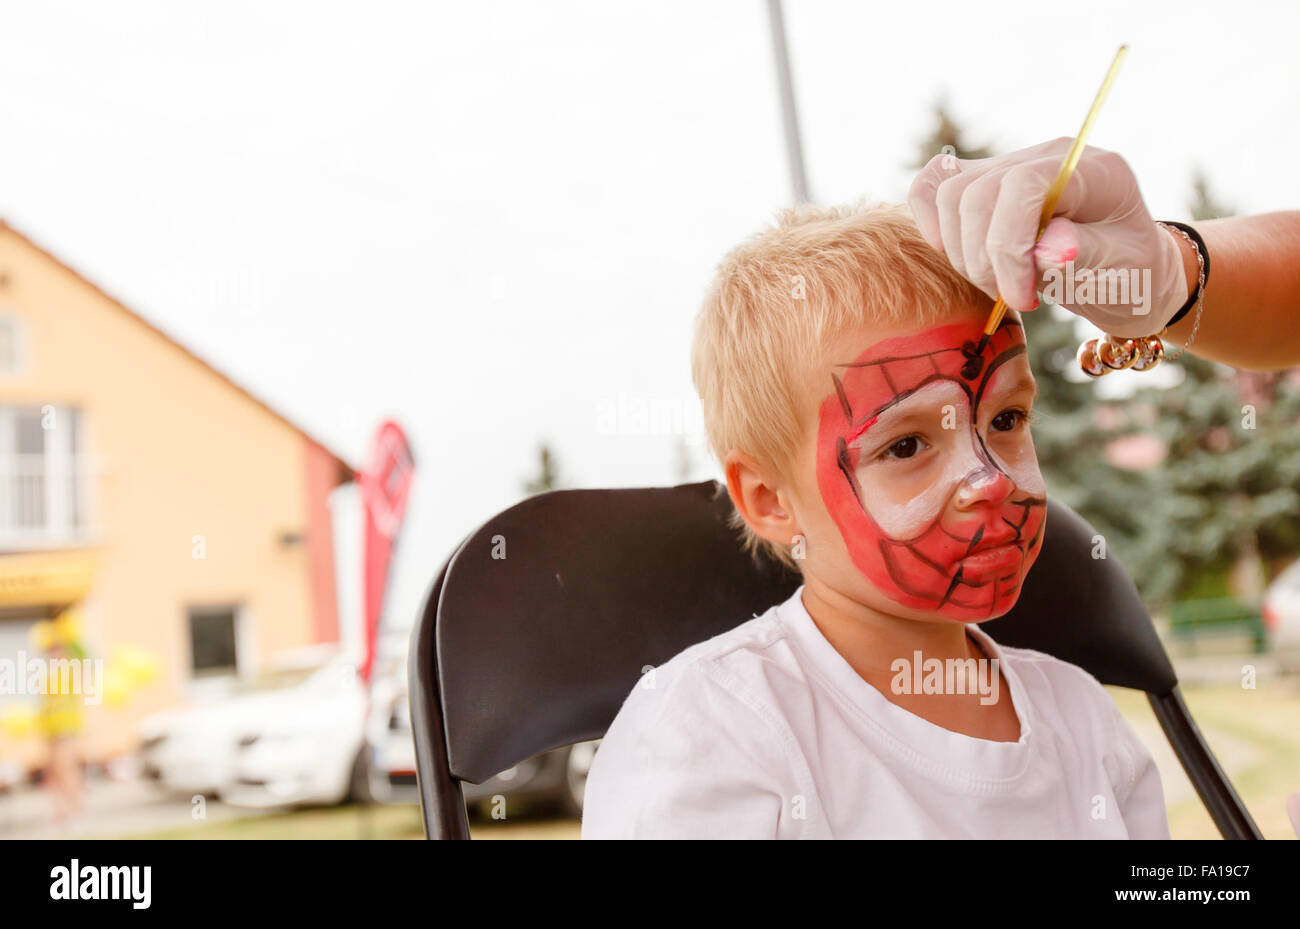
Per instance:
(540,623)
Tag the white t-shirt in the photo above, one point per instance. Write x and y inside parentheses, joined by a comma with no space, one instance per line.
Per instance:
(766,731)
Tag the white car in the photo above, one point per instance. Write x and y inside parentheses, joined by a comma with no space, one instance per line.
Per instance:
(1282,617)
(391,761)
(392,748)
(190,751)
(294,737)
(555,778)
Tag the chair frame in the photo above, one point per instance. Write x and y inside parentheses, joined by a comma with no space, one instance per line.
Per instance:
(442,800)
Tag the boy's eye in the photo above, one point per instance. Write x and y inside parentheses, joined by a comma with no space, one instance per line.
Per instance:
(903,448)
(1008,420)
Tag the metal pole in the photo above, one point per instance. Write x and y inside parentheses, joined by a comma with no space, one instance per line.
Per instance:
(789,116)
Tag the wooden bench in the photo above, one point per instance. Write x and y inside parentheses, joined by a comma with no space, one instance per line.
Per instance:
(1189,620)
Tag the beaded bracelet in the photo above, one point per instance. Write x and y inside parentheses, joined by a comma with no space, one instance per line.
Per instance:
(1098,357)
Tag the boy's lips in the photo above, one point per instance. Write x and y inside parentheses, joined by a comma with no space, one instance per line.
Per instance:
(991,560)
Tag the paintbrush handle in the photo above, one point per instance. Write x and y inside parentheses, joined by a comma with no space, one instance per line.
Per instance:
(1063,176)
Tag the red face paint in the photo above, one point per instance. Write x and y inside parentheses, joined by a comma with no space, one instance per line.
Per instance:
(897,516)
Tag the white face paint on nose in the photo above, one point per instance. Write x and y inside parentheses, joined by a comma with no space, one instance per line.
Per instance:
(981,477)
(983,482)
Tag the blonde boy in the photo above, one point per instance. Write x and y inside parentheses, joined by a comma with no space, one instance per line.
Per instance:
(870,446)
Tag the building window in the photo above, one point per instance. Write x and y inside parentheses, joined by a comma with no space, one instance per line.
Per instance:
(213,641)
(42,476)
(10,345)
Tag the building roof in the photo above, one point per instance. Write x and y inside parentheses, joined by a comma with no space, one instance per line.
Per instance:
(346,471)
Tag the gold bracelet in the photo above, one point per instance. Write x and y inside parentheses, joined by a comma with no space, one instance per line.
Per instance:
(1099,357)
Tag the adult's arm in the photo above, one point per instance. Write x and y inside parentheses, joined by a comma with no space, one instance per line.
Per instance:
(1251,313)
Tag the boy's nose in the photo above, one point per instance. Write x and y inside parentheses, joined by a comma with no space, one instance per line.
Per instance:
(985,484)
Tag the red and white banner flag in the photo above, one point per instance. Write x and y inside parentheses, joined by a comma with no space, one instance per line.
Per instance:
(385,486)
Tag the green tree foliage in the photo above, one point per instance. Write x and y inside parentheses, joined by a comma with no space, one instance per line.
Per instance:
(1229,486)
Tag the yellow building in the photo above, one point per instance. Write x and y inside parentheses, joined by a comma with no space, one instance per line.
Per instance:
(176,512)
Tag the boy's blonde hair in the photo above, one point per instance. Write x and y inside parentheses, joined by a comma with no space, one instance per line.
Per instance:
(778,302)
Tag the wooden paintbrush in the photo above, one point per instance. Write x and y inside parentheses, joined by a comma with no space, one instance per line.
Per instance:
(1062,178)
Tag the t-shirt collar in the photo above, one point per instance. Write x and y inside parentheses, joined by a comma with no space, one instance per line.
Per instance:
(907,734)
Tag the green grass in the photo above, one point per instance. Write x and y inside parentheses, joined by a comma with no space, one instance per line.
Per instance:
(1255,734)
(346,822)
(362,822)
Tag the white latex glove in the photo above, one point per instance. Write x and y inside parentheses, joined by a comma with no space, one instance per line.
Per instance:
(983,213)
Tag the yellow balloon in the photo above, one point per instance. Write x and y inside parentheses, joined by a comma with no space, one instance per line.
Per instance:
(68,625)
(139,666)
(117,686)
(18,723)
(63,630)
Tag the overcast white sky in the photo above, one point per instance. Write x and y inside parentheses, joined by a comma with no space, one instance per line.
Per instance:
(487,219)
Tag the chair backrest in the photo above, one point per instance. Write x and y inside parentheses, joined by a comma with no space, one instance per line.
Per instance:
(544,619)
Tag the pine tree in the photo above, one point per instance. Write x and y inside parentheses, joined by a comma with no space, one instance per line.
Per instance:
(947,135)
(1203,205)
(547,478)
(1229,486)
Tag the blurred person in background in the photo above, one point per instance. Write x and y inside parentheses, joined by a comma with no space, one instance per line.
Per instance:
(61,717)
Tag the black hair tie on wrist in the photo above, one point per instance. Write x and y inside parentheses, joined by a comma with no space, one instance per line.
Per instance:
(1205,256)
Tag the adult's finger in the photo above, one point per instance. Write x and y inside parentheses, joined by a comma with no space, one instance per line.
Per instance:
(1058,245)
(1013,228)
(976,210)
(1101,189)
(921,195)
(947,200)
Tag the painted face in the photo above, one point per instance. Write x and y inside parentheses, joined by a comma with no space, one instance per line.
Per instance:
(934,486)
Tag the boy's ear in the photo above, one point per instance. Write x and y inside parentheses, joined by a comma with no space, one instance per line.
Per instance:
(764,505)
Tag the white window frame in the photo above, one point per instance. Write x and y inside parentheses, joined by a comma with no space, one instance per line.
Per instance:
(59,465)
(18,333)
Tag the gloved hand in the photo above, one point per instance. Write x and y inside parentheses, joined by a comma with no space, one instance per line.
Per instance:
(984,214)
